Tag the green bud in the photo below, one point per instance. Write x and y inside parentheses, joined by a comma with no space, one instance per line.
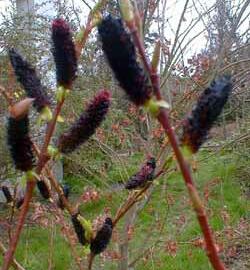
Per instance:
(127,10)
(154,106)
(87,225)
(61,93)
(45,115)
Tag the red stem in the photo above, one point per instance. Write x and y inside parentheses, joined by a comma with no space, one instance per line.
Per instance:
(199,209)
(164,121)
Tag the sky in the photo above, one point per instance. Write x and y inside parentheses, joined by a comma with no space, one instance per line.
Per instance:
(173,12)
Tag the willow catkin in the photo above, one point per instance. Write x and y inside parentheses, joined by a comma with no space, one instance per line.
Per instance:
(27,77)
(142,177)
(87,123)
(64,53)
(103,236)
(206,111)
(19,143)
(121,55)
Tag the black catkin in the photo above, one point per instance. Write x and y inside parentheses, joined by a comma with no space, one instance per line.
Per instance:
(66,191)
(27,77)
(79,230)
(102,239)
(142,177)
(64,53)
(121,55)
(7,194)
(86,125)
(43,188)
(205,113)
(19,143)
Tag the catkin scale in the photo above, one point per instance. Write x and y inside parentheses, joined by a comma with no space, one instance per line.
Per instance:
(102,238)
(27,77)
(121,55)
(205,113)
(64,53)
(86,125)
(79,230)
(142,177)
(19,143)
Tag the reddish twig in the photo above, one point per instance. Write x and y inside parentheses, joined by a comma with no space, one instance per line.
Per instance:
(164,121)
(14,263)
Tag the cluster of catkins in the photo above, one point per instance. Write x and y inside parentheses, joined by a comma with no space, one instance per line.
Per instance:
(19,141)
(120,53)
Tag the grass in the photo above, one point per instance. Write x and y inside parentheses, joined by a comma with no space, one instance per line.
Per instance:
(169,209)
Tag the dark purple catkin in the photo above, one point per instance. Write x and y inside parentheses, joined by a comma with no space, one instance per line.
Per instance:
(27,77)
(86,125)
(7,194)
(142,177)
(79,230)
(19,143)
(66,191)
(103,236)
(64,53)
(205,113)
(121,55)
(43,188)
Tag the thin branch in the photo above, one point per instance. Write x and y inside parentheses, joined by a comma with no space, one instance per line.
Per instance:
(14,262)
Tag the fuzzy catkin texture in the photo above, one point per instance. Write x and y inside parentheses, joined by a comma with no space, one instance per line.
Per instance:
(79,230)
(102,239)
(27,77)
(205,113)
(142,177)
(87,124)
(43,188)
(121,55)
(64,53)
(19,143)
(7,194)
